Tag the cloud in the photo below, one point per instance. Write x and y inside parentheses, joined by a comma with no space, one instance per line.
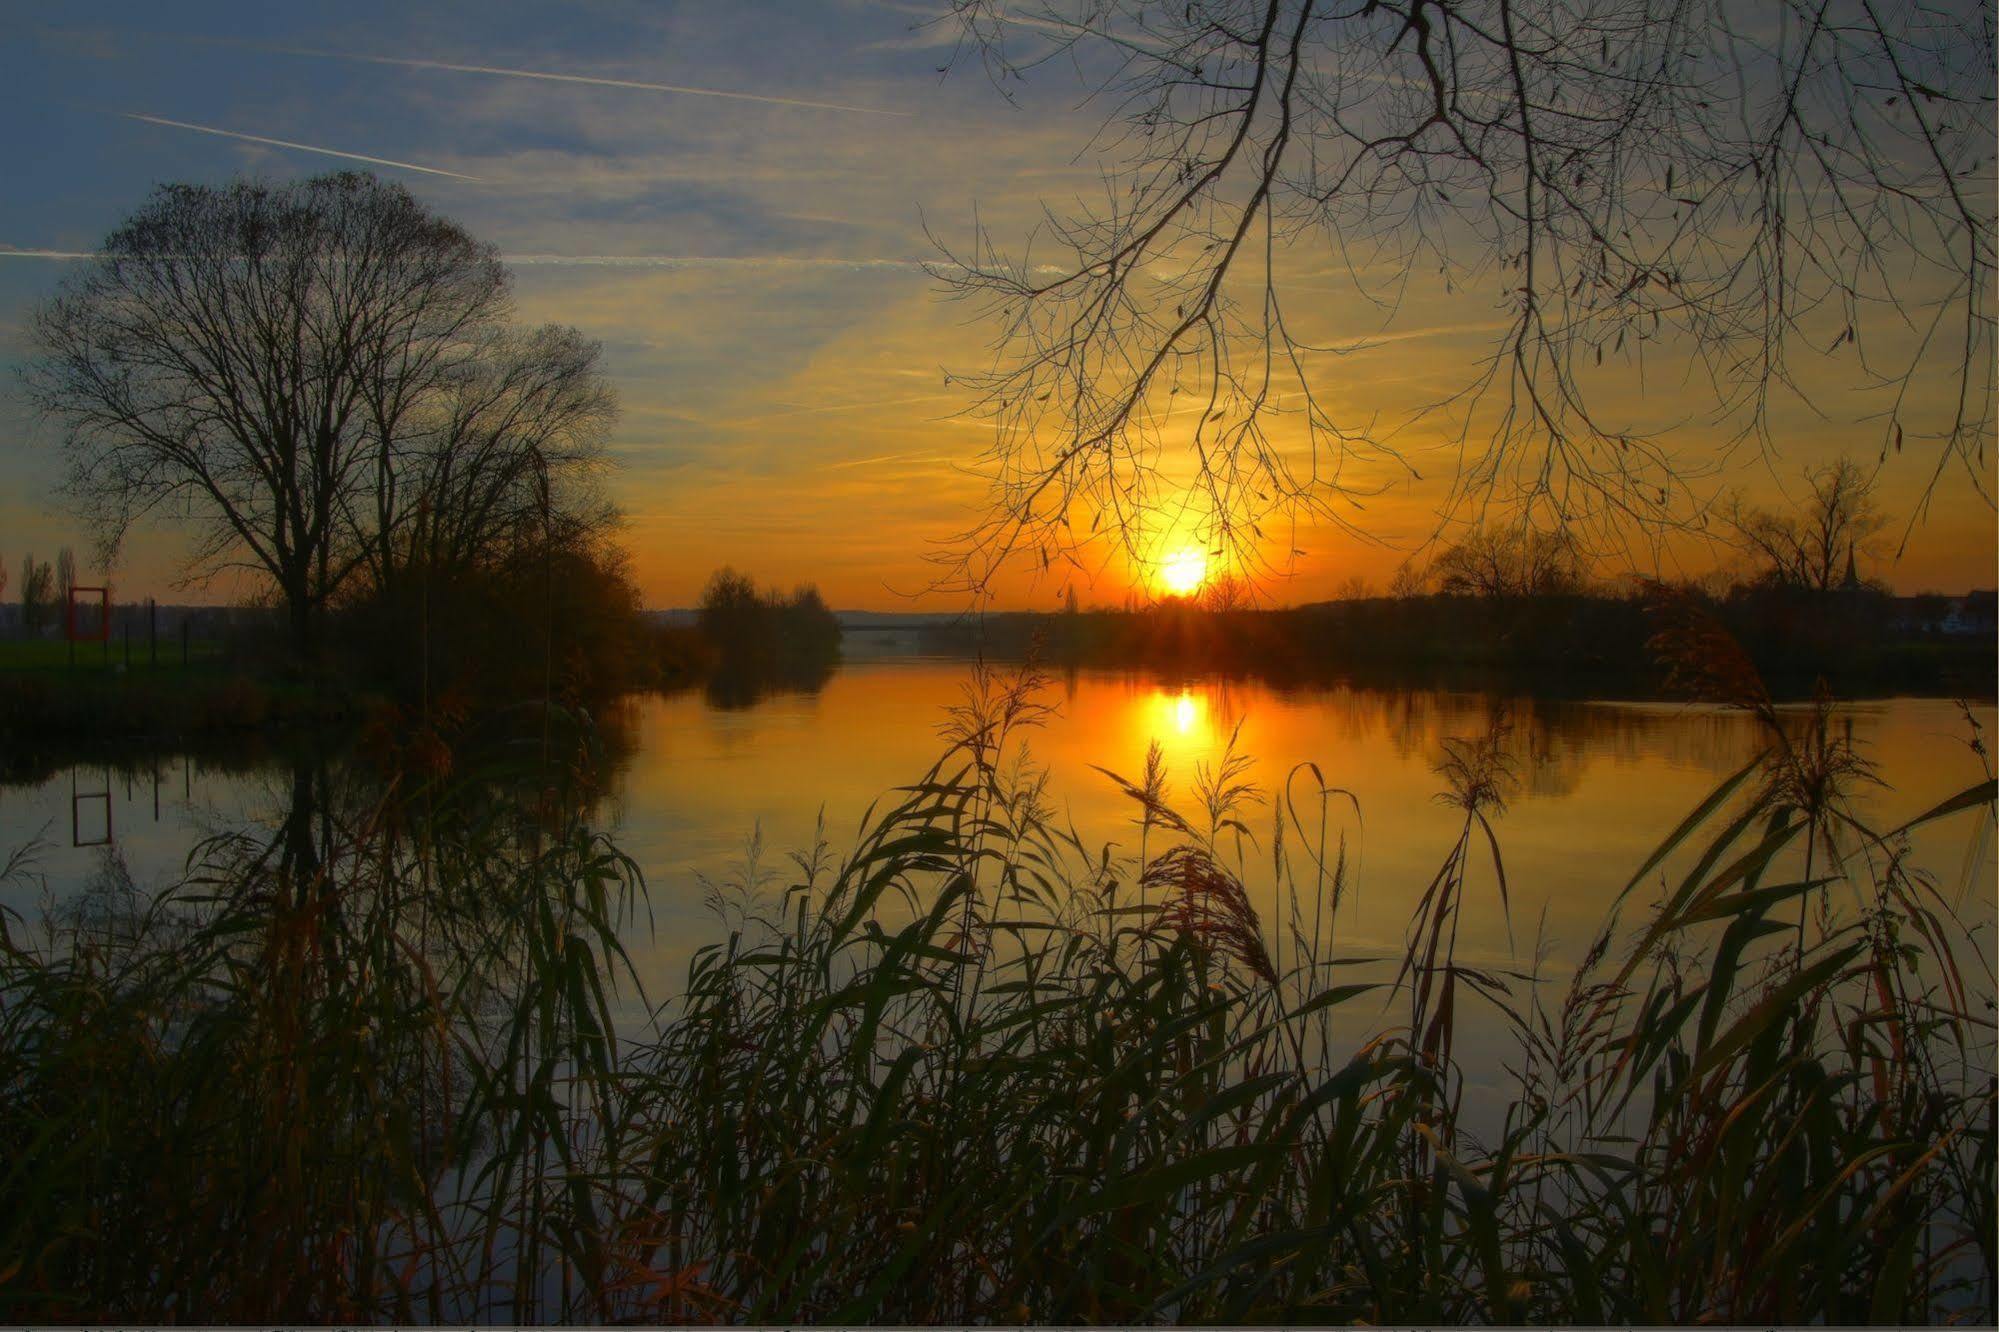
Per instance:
(949,27)
(892,457)
(673,261)
(590,80)
(297,147)
(668,262)
(835,407)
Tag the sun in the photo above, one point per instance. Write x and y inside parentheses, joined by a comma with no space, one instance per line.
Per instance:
(1184,571)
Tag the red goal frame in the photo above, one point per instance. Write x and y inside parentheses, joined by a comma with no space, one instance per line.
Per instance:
(103,634)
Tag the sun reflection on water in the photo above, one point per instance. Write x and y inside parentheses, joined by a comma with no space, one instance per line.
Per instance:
(1179,719)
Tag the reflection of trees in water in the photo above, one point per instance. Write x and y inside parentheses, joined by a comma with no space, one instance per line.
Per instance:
(1549,745)
(181,759)
(354,1017)
(734,687)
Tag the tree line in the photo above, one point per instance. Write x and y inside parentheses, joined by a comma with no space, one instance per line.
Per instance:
(42,589)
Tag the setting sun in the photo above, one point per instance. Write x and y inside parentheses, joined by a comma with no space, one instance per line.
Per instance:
(1183,573)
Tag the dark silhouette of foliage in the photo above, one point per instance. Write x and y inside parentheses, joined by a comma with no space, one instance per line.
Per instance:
(37,594)
(321,373)
(764,639)
(1506,562)
(1818,543)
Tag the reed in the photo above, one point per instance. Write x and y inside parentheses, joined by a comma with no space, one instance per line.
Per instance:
(393,1063)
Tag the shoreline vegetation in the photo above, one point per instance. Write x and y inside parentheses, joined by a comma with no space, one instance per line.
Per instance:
(1858,643)
(392,1062)
(745,642)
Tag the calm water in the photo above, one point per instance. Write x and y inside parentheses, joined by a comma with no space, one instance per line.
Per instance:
(1599,784)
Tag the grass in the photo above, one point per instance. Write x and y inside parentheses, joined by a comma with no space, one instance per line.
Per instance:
(54,654)
(46,702)
(393,1064)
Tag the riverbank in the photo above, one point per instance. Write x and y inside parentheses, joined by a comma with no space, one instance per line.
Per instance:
(49,702)
(167,701)
(1554,646)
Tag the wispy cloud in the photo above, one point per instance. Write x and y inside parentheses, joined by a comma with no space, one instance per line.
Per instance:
(1368,341)
(547,76)
(889,458)
(648,261)
(948,27)
(832,407)
(297,147)
(711,261)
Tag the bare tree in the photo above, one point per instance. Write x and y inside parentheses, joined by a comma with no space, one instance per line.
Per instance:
(1224,592)
(1409,580)
(37,594)
(65,574)
(506,459)
(1355,587)
(1508,562)
(1816,546)
(261,359)
(1731,180)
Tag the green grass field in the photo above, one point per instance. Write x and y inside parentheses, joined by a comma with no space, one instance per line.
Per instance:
(43,654)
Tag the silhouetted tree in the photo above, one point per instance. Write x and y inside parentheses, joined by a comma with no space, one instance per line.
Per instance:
(1224,592)
(731,611)
(1408,581)
(760,636)
(320,371)
(510,462)
(1510,563)
(65,575)
(37,594)
(1817,545)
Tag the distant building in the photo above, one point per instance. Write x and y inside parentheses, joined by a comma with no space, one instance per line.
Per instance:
(1974,614)
(1933,615)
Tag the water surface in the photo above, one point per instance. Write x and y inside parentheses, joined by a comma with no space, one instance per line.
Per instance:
(1595,787)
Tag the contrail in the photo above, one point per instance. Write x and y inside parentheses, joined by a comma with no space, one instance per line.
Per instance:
(299,147)
(780,261)
(834,407)
(805,263)
(547,77)
(710,261)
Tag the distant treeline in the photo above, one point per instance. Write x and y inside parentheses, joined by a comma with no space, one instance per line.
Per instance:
(1859,640)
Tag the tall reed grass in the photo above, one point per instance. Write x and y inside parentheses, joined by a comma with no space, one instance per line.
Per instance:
(384,1065)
